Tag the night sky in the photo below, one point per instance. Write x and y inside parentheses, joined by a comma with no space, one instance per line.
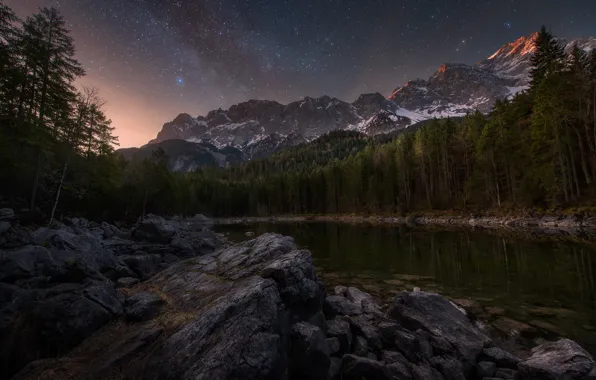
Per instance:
(153,59)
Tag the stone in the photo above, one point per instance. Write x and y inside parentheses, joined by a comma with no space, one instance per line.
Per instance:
(505,373)
(4,226)
(501,357)
(390,357)
(309,355)
(357,296)
(340,329)
(154,229)
(449,367)
(357,368)
(563,359)
(338,305)
(144,266)
(333,345)
(334,369)
(399,371)
(126,282)
(485,369)
(6,214)
(360,346)
(435,314)
(423,371)
(340,290)
(142,306)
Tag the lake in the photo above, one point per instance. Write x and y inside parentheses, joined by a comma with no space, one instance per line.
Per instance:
(527,289)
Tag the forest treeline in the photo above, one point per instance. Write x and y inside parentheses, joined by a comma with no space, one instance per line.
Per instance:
(57,148)
(535,151)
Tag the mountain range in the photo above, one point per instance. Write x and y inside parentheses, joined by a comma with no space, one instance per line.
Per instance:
(258,128)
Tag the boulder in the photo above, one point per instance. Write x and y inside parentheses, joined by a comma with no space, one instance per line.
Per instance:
(357,368)
(227,315)
(4,226)
(340,329)
(563,359)
(485,369)
(435,314)
(144,266)
(309,355)
(6,214)
(338,305)
(142,306)
(333,345)
(505,373)
(449,367)
(154,229)
(423,371)
(501,357)
(126,282)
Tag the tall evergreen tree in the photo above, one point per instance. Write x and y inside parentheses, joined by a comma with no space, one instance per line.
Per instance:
(548,57)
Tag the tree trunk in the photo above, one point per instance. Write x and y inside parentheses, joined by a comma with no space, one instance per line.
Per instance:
(35,182)
(59,191)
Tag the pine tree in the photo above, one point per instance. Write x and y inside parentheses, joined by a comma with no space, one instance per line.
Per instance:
(50,69)
(548,57)
(9,33)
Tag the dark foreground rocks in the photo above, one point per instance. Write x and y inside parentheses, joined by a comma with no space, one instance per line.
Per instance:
(59,285)
(257,310)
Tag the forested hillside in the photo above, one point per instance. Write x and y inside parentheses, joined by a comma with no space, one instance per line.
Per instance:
(534,151)
(537,150)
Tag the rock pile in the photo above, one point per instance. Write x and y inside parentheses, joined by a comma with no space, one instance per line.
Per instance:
(59,285)
(257,310)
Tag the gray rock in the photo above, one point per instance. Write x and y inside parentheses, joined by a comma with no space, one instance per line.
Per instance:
(360,346)
(563,359)
(340,329)
(357,296)
(340,290)
(4,226)
(6,213)
(449,367)
(126,282)
(435,314)
(334,369)
(390,357)
(333,345)
(399,371)
(142,306)
(338,305)
(144,266)
(423,371)
(501,357)
(154,229)
(357,368)
(485,369)
(309,356)
(110,231)
(505,373)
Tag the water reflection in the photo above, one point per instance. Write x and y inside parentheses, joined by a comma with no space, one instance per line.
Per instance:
(551,282)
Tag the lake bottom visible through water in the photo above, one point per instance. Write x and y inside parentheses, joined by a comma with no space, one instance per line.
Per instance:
(524,290)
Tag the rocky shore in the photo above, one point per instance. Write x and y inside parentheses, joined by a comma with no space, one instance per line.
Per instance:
(552,224)
(169,299)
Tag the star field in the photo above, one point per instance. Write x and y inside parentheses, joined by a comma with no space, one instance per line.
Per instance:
(153,59)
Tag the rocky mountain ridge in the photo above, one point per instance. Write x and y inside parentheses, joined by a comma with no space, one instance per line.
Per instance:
(260,127)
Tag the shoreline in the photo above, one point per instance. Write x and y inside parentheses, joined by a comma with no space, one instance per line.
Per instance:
(551,224)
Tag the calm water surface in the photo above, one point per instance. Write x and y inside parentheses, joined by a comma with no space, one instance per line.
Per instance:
(551,282)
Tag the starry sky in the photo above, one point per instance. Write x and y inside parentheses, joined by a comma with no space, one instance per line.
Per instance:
(154,59)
